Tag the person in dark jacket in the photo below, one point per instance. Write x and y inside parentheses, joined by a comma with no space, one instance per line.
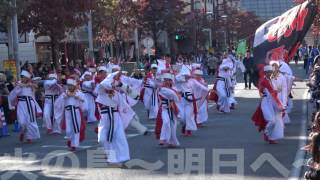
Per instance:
(249,65)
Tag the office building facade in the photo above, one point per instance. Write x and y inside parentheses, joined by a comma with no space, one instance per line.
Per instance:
(266,9)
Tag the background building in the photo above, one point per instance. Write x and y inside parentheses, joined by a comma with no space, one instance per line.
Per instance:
(266,9)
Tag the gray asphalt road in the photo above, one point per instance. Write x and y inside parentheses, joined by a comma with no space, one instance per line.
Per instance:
(227,147)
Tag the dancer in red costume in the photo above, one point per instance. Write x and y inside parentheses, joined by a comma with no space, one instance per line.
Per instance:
(268,116)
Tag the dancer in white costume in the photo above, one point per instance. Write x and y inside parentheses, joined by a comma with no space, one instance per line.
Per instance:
(52,92)
(202,103)
(23,97)
(166,126)
(191,91)
(150,99)
(286,70)
(130,89)
(70,107)
(280,83)
(268,116)
(88,87)
(224,88)
(111,133)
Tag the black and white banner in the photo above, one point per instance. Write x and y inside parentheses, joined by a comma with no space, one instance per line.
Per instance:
(281,37)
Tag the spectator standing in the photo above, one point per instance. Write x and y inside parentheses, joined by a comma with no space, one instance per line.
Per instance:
(249,65)
(313,52)
(212,64)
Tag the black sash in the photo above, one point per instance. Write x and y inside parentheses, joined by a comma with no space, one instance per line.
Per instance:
(227,88)
(28,100)
(167,103)
(110,111)
(73,113)
(153,95)
(187,96)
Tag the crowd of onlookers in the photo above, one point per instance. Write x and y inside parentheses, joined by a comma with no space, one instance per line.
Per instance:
(311,60)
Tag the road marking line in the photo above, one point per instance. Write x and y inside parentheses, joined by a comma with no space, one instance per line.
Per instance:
(56,146)
(296,171)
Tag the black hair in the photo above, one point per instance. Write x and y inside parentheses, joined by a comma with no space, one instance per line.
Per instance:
(315,144)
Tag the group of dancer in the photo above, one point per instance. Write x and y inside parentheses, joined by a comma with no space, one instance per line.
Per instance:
(170,95)
(275,88)
(106,95)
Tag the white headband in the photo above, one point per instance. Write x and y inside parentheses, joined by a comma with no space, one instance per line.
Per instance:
(71,82)
(267,68)
(25,74)
(198,72)
(102,68)
(53,76)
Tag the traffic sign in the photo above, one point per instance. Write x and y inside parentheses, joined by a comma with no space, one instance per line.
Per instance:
(148,42)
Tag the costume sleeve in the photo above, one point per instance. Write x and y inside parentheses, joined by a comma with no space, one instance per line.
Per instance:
(266,85)
(180,78)
(14,94)
(134,83)
(284,92)
(170,94)
(48,83)
(88,86)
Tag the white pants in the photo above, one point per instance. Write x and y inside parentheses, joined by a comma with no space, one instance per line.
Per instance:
(169,129)
(26,115)
(187,115)
(151,102)
(91,108)
(223,100)
(203,113)
(73,125)
(49,119)
(135,123)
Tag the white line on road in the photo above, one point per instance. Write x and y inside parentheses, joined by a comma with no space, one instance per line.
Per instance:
(56,146)
(296,170)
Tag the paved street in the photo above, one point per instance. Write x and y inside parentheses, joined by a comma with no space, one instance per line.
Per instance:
(230,138)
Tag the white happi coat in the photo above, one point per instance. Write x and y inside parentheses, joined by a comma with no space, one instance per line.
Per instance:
(289,80)
(273,115)
(52,92)
(125,110)
(111,134)
(169,119)
(280,85)
(202,105)
(286,70)
(233,64)
(87,88)
(150,98)
(130,94)
(70,109)
(191,90)
(224,88)
(27,110)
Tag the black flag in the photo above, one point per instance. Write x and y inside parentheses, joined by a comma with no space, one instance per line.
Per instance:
(280,37)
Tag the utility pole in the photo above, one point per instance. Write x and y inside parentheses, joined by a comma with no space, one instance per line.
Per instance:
(15,36)
(10,40)
(90,36)
(136,42)
(194,28)
(136,38)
